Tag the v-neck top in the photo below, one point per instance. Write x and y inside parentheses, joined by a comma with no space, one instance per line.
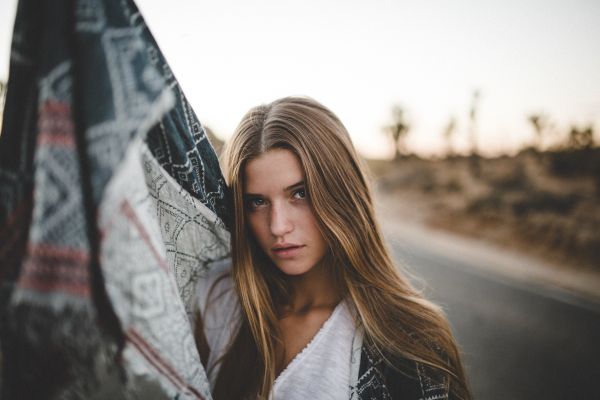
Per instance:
(322,370)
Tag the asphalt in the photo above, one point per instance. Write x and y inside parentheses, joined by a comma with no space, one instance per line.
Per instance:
(520,340)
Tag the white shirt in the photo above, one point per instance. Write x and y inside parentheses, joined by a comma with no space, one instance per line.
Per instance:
(322,370)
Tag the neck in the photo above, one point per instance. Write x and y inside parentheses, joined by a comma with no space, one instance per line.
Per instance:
(315,289)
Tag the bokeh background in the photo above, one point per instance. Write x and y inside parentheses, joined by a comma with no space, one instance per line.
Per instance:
(479,123)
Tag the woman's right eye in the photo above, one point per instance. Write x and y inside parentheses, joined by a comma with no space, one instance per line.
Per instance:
(254,203)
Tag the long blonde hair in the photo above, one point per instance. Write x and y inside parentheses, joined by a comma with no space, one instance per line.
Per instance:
(396,319)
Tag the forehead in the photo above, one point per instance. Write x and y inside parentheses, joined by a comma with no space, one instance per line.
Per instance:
(272,171)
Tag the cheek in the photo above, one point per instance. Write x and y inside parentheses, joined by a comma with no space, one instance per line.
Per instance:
(258,227)
(312,228)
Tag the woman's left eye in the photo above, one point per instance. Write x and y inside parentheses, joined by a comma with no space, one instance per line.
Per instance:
(300,194)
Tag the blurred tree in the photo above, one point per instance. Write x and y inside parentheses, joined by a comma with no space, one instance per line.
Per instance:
(474,162)
(581,138)
(540,125)
(473,120)
(398,130)
(448,134)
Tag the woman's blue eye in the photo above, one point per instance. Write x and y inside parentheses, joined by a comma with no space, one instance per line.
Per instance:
(300,194)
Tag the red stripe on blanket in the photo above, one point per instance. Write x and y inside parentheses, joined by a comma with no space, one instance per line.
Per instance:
(55,107)
(48,268)
(159,363)
(46,250)
(66,140)
(54,287)
(130,214)
(55,124)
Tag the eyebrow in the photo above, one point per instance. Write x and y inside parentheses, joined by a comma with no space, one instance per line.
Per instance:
(294,186)
(291,187)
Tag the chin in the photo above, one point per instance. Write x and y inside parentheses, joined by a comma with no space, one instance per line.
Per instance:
(293,270)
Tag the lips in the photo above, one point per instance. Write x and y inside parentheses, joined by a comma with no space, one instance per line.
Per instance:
(287,250)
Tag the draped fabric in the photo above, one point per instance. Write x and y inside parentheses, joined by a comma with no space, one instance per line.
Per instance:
(112,205)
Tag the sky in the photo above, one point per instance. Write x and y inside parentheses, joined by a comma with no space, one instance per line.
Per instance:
(361,57)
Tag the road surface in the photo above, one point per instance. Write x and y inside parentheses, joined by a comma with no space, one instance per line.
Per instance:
(519,340)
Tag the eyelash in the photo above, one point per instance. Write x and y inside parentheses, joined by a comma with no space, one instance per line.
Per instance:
(250,203)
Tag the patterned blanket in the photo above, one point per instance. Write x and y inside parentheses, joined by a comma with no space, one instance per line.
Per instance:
(112,205)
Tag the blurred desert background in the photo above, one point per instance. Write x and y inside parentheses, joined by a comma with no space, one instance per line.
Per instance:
(542,204)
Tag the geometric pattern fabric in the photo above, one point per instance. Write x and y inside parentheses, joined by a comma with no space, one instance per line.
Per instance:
(112,205)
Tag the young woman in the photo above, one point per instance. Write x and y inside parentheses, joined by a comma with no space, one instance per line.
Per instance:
(313,306)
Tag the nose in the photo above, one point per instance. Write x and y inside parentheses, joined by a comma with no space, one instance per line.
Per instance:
(281,221)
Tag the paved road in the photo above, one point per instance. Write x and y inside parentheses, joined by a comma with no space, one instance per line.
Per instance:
(520,341)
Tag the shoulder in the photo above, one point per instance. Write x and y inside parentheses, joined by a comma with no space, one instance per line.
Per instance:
(405,379)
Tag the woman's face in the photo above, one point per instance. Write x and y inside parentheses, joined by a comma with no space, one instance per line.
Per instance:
(279,212)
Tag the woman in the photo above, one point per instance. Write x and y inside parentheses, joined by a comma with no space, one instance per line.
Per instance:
(319,309)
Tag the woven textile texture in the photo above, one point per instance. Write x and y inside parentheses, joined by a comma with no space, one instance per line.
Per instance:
(112,205)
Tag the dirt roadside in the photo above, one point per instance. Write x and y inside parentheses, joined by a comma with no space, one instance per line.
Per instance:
(406,219)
